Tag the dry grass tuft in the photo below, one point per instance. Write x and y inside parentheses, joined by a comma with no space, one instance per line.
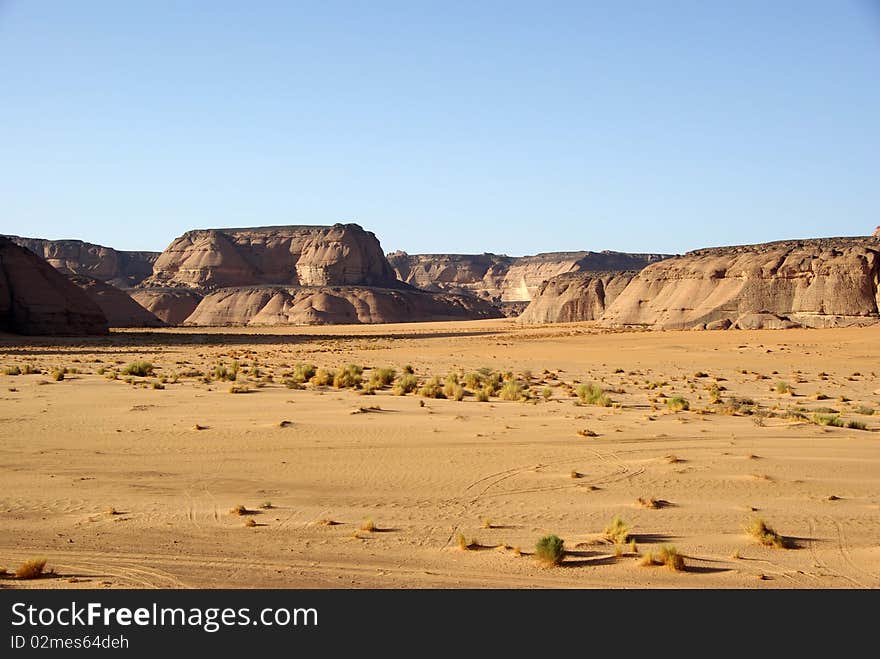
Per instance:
(766,535)
(31,569)
(250,523)
(369,526)
(239,510)
(617,531)
(669,556)
(550,550)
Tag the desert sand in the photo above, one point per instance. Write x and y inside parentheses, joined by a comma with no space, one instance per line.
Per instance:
(122,484)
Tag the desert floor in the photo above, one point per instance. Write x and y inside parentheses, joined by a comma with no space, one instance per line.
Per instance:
(120,484)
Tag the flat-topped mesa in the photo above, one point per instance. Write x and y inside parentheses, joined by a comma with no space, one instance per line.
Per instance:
(502,278)
(209,259)
(37,299)
(825,282)
(75,257)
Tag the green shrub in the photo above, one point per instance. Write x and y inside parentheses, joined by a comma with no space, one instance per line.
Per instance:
(57,374)
(617,531)
(139,369)
(591,394)
(405,384)
(677,404)
(432,389)
(783,388)
(382,377)
(323,377)
(550,550)
(303,372)
(828,420)
(484,394)
(511,390)
(450,385)
(473,381)
(856,425)
(349,376)
(12,370)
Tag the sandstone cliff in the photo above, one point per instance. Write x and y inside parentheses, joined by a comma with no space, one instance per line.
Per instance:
(170,305)
(118,307)
(210,259)
(503,279)
(575,296)
(812,283)
(37,299)
(116,267)
(323,305)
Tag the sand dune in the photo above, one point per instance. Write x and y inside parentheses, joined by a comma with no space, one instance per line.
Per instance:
(172,462)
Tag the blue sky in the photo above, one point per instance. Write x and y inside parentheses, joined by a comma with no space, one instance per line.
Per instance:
(510,127)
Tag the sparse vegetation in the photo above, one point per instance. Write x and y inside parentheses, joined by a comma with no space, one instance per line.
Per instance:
(617,531)
(828,420)
(669,556)
(856,425)
(239,389)
(591,394)
(678,404)
(303,372)
(511,390)
(784,388)
(348,377)
(462,541)
(323,377)
(12,370)
(239,510)
(369,526)
(766,535)
(31,569)
(550,550)
(382,377)
(57,374)
(405,384)
(140,369)
(432,389)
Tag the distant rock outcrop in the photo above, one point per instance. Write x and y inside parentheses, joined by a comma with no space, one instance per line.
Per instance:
(325,305)
(503,279)
(37,299)
(116,267)
(118,307)
(209,259)
(575,296)
(827,282)
(170,305)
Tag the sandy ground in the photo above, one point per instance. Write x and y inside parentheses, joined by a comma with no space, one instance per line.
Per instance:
(502,473)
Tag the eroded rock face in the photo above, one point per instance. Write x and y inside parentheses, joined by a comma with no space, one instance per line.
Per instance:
(118,307)
(210,259)
(323,305)
(575,296)
(116,267)
(812,283)
(36,299)
(504,278)
(170,305)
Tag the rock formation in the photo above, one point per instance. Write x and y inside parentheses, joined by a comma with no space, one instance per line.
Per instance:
(170,305)
(575,296)
(323,305)
(117,268)
(825,282)
(289,275)
(118,307)
(37,299)
(209,259)
(504,279)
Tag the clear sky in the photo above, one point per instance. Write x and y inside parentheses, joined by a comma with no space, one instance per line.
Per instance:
(445,126)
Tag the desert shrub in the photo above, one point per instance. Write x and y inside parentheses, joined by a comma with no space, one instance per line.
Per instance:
(158,385)
(405,384)
(349,376)
(493,382)
(677,404)
(828,420)
(546,393)
(409,369)
(473,381)
(701,374)
(766,535)
(239,389)
(456,392)
(462,541)
(511,390)
(382,377)
(617,531)
(450,385)
(863,409)
(221,372)
(27,369)
(783,388)
(12,370)
(57,374)
(591,394)
(323,377)
(856,425)
(303,372)
(31,569)
(368,526)
(669,556)
(432,389)
(484,394)
(550,550)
